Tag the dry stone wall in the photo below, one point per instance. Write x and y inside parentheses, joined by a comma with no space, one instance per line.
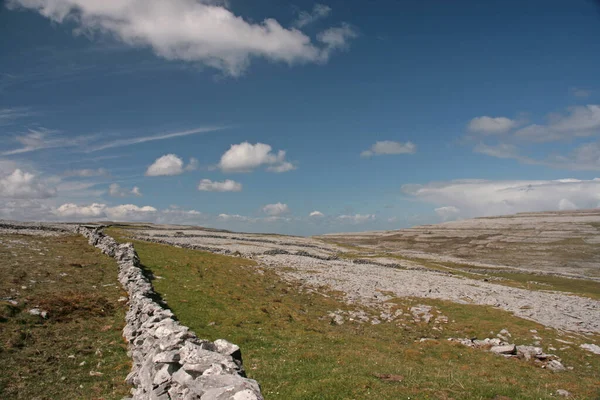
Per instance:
(169,360)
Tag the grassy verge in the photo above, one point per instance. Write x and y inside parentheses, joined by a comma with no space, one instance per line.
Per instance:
(77,351)
(292,348)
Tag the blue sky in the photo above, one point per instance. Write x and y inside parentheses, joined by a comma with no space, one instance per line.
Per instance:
(375,115)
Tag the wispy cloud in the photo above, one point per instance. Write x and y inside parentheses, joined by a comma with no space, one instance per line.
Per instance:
(42,138)
(86,173)
(162,136)
(9,115)
(319,11)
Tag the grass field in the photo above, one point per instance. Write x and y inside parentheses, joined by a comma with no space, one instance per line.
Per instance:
(77,352)
(295,351)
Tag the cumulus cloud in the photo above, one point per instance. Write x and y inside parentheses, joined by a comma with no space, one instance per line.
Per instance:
(319,11)
(276,209)
(356,218)
(578,121)
(24,185)
(337,38)
(245,157)
(389,147)
(169,165)
(227,185)
(234,217)
(124,213)
(316,214)
(189,30)
(131,212)
(115,190)
(176,215)
(71,210)
(447,213)
(475,198)
(491,125)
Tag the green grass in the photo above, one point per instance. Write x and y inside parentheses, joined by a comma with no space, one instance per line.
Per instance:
(77,285)
(291,347)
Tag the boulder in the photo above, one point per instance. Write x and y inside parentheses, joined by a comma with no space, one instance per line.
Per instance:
(506,349)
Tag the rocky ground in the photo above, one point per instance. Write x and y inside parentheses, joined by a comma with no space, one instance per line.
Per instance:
(370,280)
(564,242)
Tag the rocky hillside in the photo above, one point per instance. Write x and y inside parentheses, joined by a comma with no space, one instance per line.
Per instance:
(566,242)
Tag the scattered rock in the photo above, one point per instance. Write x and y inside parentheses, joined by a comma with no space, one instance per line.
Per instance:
(555,365)
(421,312)
(529,352)
(594,348)
(506,349)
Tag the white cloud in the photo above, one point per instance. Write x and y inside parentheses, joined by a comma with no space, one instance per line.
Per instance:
(276,209)
(24,185)
(491,125)
(123,213)
(152,138)
(169,165)
(319,11)
(585,157)
(176,215)
(337,38)
(474,198)
(448,212)
(389,147)
(356,218)
(130,212)
(245,157)
(234,217)
(501,150)
(115,190)
(579,121)
(565,204)
(189,30)
(227,185)
(86,173)
(284,166)
(70,210)
(317,214)
(193,165)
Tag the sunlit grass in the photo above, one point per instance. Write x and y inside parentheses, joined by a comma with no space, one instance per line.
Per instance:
(292,348)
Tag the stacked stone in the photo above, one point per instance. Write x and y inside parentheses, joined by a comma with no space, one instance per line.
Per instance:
(169,360)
